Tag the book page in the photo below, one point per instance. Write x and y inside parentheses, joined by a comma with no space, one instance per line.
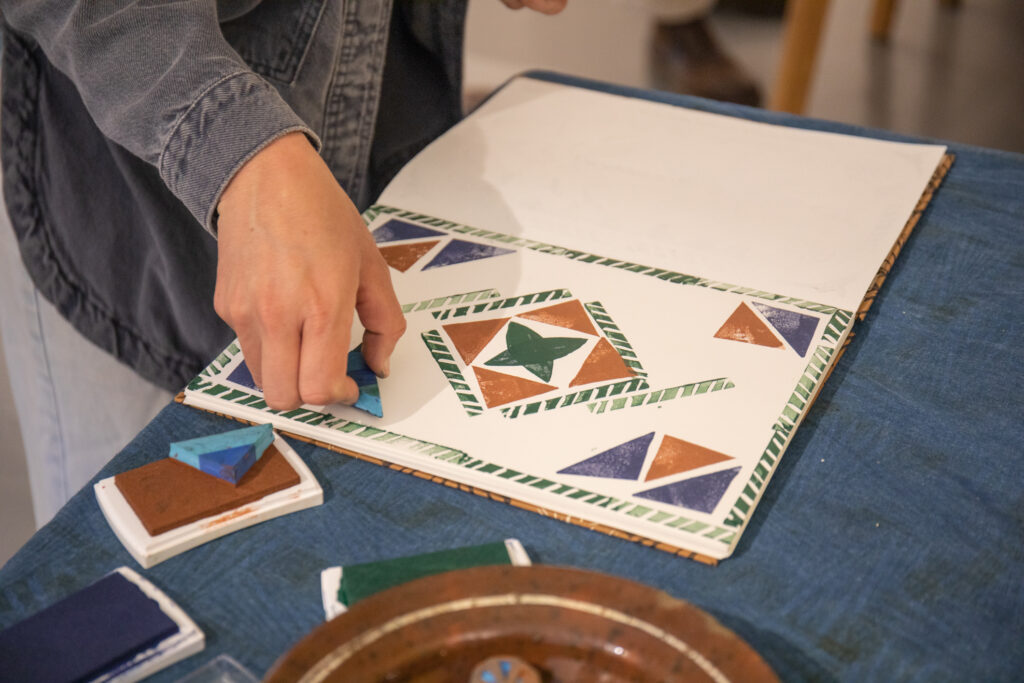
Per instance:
(619,312)
(636,398)
(807,213)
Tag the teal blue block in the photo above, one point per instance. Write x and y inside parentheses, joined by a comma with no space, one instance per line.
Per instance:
(230,464)
(369,400)
(227,455)
(369,390)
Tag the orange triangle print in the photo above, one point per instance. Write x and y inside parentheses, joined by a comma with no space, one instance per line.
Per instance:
(569,314)
(499,388)
(471,338)
(744,326)
(603,363)
(675,456)
(402,256)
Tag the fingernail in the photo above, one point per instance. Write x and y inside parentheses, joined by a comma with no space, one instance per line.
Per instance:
(385,369)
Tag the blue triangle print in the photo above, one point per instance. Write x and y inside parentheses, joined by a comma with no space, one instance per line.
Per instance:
(369,391)
(395,230)
(241,375)
(700,493)
(796,328)
(620,462)
(461,251)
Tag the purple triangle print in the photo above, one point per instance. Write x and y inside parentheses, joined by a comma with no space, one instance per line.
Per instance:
(241,375)
(796,328)
(700,493)
(620,462)
(395,230)
(461,251)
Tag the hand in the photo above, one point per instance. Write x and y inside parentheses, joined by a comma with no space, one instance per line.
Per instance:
(542,6)
(294,260)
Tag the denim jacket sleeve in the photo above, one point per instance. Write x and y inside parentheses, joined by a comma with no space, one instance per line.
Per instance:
(159,79)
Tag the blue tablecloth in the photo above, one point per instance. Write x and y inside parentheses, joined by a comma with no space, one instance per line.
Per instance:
(915,571)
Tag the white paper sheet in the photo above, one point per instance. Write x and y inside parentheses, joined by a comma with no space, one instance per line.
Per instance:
(707,268)
(807,213)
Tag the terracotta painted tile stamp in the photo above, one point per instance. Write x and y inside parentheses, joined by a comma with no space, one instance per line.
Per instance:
(167,507)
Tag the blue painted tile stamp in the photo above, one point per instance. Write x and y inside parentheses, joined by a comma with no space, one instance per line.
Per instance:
(227,455)
(369,390)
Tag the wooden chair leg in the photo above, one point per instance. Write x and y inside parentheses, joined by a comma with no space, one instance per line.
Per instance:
(881,19)
(800,41)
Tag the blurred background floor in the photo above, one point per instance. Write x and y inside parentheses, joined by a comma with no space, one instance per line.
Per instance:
(947,74)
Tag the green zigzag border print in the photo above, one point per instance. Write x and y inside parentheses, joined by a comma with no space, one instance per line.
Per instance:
(473,404)
(206,383)
(782,431)
(805,389)
(377,210)
(447,301)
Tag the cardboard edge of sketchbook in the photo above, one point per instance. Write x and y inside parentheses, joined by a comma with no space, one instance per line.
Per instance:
(869,297)
(883,271)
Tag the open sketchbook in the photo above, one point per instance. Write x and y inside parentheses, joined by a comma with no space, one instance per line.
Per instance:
(618,311)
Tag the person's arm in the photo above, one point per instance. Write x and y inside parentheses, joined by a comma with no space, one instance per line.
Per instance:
(542,6)
(159,79)
(295,260)
(294,257)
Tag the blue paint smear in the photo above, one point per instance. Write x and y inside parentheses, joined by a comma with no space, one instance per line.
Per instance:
(90,632)
(700,493)
(621,462)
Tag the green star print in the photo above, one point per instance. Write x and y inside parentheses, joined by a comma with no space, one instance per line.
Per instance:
(534,352)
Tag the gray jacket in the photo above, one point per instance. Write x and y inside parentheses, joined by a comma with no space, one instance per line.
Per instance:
(122,123)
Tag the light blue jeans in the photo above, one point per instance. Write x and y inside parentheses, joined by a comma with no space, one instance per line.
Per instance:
(77,406)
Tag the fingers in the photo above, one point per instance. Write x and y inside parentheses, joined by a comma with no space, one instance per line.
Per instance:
(295,263)
(250,344)
(279,367)
(542,6)
(545,6)
(379,311)
(307,365)
(323,361)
